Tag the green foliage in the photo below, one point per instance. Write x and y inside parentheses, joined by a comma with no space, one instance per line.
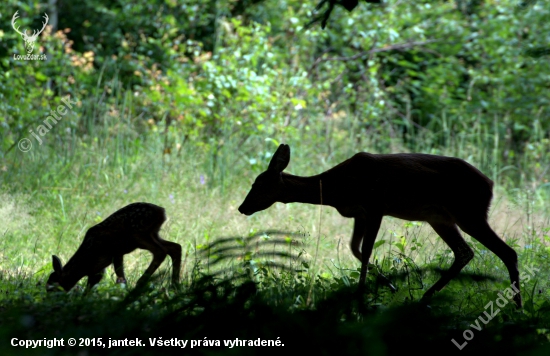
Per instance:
(431,75)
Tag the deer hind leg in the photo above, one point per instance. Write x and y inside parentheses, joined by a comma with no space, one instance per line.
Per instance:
(151,244)
(119,268)
(463,254)
(174,251)
(482,232)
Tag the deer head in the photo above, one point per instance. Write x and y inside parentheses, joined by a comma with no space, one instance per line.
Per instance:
(29,40)
(56,278)
(268,187)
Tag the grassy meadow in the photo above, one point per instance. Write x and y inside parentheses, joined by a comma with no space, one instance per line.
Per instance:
(182,104)
(287,272)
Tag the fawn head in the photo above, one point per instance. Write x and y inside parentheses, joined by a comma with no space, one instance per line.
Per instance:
(268,187)
(56,278)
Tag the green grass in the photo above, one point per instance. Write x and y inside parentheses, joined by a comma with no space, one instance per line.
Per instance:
(54,193)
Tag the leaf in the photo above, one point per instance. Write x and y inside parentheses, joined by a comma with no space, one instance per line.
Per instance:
(272,140)
(40,77)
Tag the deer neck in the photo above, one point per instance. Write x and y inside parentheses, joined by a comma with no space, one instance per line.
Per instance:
(77,267)
(304,190)
(72,273)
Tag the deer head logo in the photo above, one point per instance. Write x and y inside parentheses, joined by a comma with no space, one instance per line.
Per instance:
(29,40)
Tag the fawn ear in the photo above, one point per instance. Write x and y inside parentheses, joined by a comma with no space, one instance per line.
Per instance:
(56,262)
(280,159)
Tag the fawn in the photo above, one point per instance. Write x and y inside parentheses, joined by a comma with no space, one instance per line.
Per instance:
(446,192)
(135,226)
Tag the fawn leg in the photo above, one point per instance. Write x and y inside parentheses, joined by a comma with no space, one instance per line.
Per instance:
(480,230)
(174,251)
(159,254)
(463,254)
(94,279)
(119,268)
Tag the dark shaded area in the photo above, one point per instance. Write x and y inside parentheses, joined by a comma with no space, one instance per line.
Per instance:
(222,311)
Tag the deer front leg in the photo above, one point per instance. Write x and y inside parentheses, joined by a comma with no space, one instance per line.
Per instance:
(365,230)
(94,279)
(119,268)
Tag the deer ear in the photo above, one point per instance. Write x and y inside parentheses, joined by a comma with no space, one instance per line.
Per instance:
(280,159)
(57,265)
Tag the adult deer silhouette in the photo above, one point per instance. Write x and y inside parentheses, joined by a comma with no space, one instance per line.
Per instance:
(446,192)
(134,226)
